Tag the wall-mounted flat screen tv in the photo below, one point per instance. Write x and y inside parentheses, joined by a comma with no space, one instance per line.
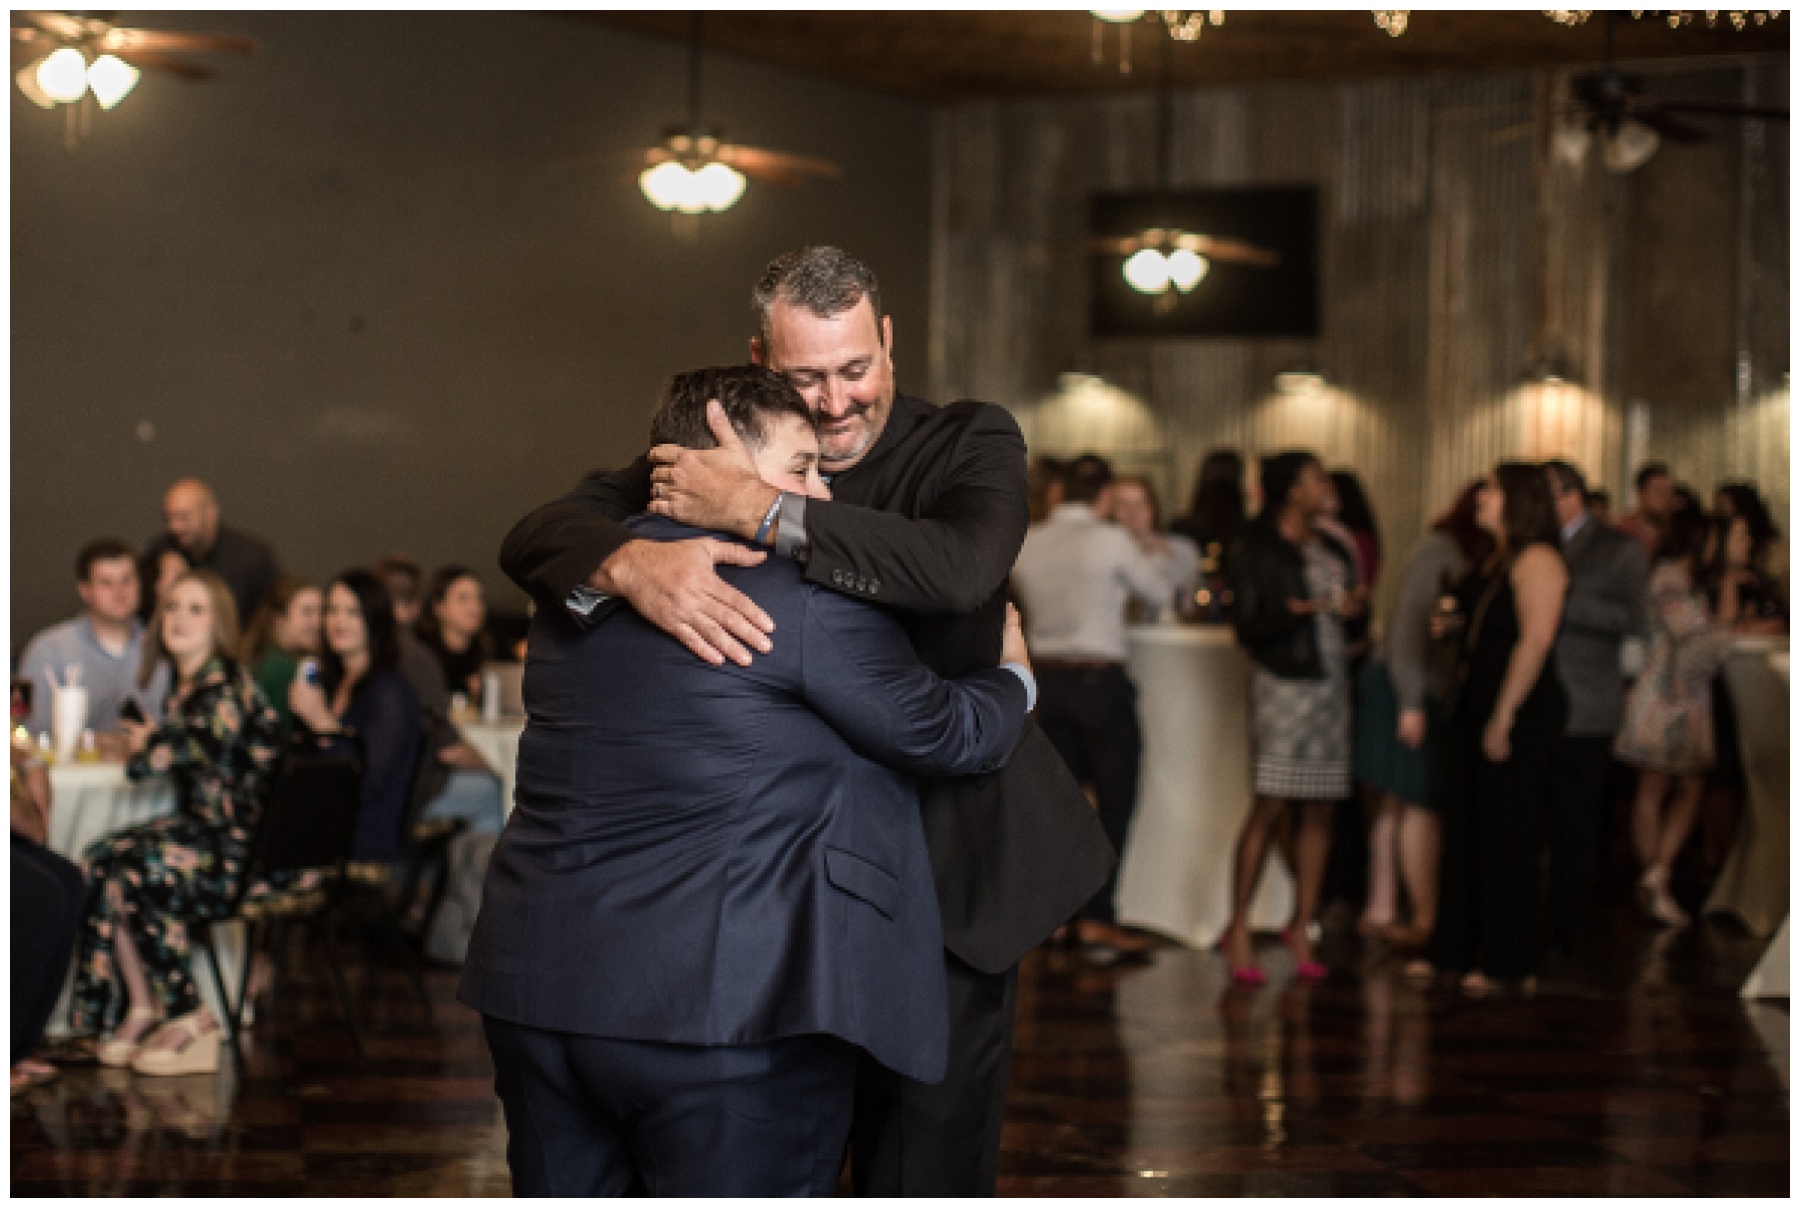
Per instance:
(1233,299)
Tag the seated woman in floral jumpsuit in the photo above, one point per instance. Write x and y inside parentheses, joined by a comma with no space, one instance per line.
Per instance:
(218,742)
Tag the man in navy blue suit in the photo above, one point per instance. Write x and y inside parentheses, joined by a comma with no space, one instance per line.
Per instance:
(714,893)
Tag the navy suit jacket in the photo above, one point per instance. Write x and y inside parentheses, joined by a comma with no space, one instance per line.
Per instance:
(730,855)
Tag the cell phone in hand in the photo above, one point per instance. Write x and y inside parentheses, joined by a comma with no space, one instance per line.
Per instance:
(131,711)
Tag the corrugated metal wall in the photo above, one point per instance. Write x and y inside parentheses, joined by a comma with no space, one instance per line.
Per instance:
(1449,238)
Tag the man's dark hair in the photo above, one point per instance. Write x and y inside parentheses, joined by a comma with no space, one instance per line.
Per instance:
(103,549)
(1649,471)
(1565,478)
(404,577)
(1598,498)
(749,393)
(1085,477)
(822,280)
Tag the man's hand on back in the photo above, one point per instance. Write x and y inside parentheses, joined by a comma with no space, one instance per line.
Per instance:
(716,489)
(673,585)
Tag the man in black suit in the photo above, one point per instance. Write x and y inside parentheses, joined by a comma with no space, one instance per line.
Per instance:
(1608,574)
(714,898)
(928,513)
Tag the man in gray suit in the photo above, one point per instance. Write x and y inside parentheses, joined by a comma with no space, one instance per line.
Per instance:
(1608,571)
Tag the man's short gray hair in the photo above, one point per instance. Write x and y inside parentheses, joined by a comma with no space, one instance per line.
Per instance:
(822,280)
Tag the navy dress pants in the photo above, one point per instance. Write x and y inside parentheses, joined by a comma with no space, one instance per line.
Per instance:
(588,1116)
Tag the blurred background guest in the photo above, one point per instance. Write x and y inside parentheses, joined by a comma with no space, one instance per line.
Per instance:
(1399,695)
(104,642)
(361,689)
(1073,578)
(452,627)
(1742,575)
(1509,713)
(217,740)
(1355,514)
(191,524)
(1668,730)
(283,631)
(405,581)
(1654,502)
(1600,506)
(1292,598)
(1043,485)
(49,896)
(157,571)
(1217,515)
(1133,505)
(1605,605)
(452,624)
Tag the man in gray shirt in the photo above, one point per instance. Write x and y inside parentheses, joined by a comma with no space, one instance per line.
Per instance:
(105,642)
(1608,573)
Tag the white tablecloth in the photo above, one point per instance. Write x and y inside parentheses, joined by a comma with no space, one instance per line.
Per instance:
(1753,884)
(91,800)
(1194,793)
(498,743)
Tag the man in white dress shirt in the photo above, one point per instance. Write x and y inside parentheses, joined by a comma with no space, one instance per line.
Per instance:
(1073,578)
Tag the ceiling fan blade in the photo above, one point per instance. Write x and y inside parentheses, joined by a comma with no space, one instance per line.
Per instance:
(1109,245)
(1229,251)
(1773,113)
(28,44)
(57,25)
(121,40)
(155,60)
(1671,128)
(756,161)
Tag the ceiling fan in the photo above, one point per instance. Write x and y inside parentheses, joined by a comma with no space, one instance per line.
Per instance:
(68,58)
(1630,123)
(693,170)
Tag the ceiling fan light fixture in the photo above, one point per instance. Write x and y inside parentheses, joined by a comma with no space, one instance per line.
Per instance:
(63,75)
(672,185)
(1187,269)
(1118,16)
(1630,148)
(1571,144)
(26,79)
(111,79)
(1147,271)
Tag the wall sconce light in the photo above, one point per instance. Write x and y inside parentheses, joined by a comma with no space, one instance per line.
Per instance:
(1300,379)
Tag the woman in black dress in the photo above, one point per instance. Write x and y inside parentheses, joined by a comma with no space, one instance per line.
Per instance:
(1507,716)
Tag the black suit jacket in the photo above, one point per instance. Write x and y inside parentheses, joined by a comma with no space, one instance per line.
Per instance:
(928,523)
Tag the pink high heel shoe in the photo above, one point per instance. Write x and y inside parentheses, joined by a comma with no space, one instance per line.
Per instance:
(1241,975)
(1306,970)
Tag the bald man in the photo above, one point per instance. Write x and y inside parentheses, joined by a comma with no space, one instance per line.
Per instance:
(191,525)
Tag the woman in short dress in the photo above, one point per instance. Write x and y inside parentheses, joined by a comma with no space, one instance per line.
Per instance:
(1293,596)
(1668,729)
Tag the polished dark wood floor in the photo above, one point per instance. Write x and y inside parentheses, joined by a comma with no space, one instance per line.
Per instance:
(1635,1070)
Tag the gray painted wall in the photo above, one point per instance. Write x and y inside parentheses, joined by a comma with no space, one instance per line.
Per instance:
(365,284)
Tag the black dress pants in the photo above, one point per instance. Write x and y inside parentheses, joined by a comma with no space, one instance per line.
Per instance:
(910,1139)
(1090,717)
(588,1116)
(1577,812)
(1488,873)
(49,897)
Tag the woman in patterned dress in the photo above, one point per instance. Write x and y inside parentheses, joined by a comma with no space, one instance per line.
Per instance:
(217,741)
(1293,594)
(1668,729)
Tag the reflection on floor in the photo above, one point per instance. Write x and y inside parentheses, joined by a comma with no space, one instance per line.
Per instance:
(1635,1070)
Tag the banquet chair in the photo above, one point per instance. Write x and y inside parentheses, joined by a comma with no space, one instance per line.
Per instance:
(295,871)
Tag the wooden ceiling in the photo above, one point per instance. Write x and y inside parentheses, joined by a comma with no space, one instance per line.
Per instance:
(956,55)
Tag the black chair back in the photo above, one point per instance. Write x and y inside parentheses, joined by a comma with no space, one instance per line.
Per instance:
(309,820)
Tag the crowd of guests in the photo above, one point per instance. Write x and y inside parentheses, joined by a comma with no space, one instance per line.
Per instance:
(1536,654)
(372,661)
